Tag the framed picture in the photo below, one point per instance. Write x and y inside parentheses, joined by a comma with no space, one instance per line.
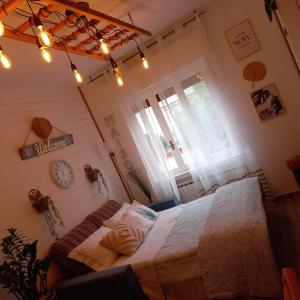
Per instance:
(242,40)
(267,102)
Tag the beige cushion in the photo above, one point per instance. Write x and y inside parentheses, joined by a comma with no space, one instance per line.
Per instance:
(124,239)
(132,218)
(92,254)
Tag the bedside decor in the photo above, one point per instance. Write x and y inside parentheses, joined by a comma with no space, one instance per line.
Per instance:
(294,165)
(62,173)
(267,102)
(242,40)
(22,273)
(45,205)
(95,175)
(43,128)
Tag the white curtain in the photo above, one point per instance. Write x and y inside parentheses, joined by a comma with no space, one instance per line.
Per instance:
(208,140)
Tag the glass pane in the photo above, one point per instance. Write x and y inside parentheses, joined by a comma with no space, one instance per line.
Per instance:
(156,129)
(200,99)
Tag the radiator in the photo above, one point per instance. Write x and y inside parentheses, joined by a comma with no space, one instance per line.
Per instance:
(190,191)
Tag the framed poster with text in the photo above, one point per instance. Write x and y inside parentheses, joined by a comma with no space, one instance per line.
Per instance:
(242,40)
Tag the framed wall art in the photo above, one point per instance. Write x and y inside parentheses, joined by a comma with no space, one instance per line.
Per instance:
(242,40)
(267,102)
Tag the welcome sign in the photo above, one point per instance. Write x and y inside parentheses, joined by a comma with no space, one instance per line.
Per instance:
(46,146)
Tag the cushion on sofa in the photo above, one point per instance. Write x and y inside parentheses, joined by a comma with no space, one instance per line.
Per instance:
(104,212)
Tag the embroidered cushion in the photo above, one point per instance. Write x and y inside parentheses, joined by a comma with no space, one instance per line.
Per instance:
(92,254)
(124,239)
(105,212)
(144,211)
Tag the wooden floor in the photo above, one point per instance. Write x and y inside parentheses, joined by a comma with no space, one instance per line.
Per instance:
(283,215)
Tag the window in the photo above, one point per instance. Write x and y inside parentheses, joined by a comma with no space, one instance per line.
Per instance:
(165,113)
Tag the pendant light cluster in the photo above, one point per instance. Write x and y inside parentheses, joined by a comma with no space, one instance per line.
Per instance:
(44,41)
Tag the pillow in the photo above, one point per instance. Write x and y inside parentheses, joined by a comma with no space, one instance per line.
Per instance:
(119,214)
(92,254)
(132,218)
(145,211)
(124,239)
(105,212)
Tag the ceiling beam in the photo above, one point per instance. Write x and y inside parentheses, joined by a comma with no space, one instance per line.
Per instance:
(66,4)
(9,6)
(31,40)
(61,25)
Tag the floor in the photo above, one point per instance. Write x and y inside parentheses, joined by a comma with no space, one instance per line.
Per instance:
(283,215)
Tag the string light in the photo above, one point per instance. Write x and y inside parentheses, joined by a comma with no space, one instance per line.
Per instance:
(5,60)
(77,75)
(144,60)
(45,38)
(45,55)
(2,29)
(116,71)
(104,45)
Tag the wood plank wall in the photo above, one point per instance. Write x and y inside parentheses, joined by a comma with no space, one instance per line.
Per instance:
(66,111)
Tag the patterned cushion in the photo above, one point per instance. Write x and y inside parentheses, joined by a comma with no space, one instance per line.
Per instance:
(124,239)
(104,212)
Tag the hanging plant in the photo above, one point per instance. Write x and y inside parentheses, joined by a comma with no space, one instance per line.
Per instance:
(270,5)
(22,273)
(95,175)
(45,206)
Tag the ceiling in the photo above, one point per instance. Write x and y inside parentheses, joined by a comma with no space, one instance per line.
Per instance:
(30,71)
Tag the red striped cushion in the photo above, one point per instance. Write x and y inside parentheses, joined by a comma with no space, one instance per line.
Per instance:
(104,213)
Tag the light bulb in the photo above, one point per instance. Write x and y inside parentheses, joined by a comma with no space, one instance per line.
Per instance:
(145,63)
(46,55)
(118,76)
(104,46)
(44,37)
(2,29)
(5,60)
(77,76)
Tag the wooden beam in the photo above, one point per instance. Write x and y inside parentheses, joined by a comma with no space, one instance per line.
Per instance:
(31,40)
(9,6)
(63,23)
(44,12)
(66,4)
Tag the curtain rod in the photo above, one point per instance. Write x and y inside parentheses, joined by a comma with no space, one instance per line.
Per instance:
(153,43)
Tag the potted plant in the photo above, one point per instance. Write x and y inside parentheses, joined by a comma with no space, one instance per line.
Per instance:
(21,272)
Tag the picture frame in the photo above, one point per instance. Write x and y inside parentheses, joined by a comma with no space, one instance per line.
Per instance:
(242,40)
(267,102)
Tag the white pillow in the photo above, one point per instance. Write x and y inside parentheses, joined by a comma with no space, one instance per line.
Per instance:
(119,214)
(92,254)
(144,211)
(132,218)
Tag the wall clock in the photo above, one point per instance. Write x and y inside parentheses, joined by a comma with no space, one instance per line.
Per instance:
(62,173)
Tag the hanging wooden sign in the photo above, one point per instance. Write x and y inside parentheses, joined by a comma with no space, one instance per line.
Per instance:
(45,146)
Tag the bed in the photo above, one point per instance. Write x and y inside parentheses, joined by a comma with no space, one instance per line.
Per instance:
(216,247)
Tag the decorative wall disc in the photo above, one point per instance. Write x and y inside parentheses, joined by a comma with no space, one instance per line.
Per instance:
(255,71)
(41,127)
(62,173)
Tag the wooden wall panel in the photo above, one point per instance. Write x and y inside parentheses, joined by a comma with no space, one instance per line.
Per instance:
(66,111)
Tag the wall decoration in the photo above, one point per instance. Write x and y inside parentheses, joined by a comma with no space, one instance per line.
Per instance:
(255,71)
(22,272)
(95,175)
(134,174)
(242,40)
(62,173)
(267,102)
(44,205)
(294,165)
(43,128)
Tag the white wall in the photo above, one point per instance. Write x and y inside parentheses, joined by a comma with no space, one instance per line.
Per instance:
(274,141)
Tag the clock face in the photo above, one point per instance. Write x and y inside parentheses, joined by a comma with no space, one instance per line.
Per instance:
(62,173)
